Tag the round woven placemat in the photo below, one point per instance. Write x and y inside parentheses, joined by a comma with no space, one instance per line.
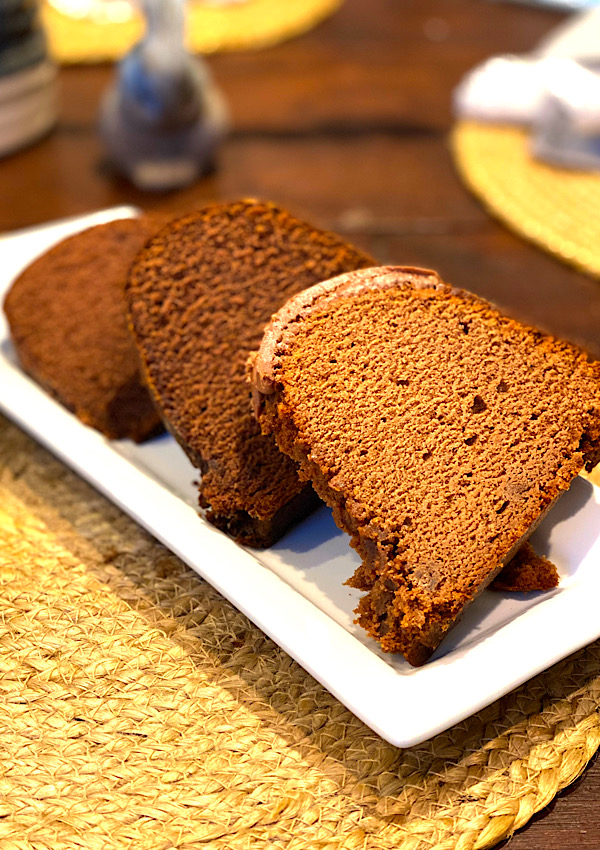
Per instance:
(557,208)
(210,28)
(140,709)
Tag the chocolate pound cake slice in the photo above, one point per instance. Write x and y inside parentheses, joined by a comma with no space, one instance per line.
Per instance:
(200,295)
(438,430)
(67,319)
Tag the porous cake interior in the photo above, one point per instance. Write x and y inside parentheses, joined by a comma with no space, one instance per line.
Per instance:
(527,571)
(200,295)
(439,431)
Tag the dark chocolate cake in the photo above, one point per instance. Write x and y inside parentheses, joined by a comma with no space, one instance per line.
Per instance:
(68,323)
(200,294)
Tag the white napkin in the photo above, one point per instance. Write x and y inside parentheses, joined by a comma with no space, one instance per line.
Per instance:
(512,89)
(555,90)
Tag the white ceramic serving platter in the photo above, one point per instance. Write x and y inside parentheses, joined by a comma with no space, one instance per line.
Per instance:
(295,592)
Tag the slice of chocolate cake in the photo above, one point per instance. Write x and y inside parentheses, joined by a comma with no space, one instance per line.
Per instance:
(439,431)
(200,294)
(67,319)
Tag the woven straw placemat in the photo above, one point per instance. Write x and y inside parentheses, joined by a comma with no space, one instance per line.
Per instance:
(140,709)
(557,208)
(210,28)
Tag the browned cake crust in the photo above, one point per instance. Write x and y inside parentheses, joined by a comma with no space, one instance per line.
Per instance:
(199,297)
(68,323)
(439,431)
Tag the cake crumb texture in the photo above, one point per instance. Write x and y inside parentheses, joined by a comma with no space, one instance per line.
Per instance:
(199,297)
(67,319)
(439,431)
(526,572)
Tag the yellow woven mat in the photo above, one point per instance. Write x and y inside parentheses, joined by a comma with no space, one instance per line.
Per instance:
(556,208)
(140,709)
(210,28)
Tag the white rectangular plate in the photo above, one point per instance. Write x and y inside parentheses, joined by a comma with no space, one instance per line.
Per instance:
(295,591)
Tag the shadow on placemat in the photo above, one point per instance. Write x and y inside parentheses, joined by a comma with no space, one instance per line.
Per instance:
(140,706)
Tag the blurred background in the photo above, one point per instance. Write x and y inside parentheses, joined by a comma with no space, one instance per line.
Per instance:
(344,112)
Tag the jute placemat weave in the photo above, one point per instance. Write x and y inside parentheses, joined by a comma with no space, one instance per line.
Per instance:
(140,710)
(557,208)
(211,28)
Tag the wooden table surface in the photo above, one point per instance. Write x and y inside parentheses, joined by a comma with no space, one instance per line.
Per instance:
(348,127)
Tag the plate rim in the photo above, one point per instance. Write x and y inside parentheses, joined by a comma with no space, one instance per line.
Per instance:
(400,707)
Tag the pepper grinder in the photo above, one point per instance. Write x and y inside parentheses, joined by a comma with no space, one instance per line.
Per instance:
(163,117)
